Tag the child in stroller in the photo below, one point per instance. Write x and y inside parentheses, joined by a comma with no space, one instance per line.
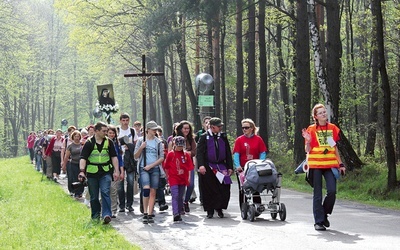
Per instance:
(260,179)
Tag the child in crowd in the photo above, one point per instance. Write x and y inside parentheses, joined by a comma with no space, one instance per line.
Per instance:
(177,166)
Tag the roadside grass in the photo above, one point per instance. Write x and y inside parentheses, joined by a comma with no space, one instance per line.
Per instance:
(367,185)
(40,215)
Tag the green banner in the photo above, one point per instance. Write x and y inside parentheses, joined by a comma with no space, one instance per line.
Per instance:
(206,101)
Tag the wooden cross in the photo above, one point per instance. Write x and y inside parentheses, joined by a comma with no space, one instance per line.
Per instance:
(144,75)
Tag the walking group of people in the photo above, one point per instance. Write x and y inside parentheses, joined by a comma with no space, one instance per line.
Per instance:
(113,160)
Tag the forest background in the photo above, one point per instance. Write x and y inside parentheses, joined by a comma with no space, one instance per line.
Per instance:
(271,61)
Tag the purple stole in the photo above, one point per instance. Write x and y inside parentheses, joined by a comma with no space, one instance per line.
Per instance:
(216,161)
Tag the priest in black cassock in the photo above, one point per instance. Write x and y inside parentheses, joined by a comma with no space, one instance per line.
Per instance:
(215,163)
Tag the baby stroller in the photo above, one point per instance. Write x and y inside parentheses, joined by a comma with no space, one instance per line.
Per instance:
(258,181)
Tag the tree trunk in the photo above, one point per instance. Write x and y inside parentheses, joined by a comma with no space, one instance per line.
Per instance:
(373,114)
(239,67)
(264,97)
(387,128)
(303,85)
(282,82)
(152,115)
(222,49)
(163,88)
(183,108)
(174,92)
(330,83)
(251,65)
(217,61)
(187,83)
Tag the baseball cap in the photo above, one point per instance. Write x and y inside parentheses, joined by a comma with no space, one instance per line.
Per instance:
(152,125)
(179,141)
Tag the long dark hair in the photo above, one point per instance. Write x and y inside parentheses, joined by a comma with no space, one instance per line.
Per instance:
(190,136)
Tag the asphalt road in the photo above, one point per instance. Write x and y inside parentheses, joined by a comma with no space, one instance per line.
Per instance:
(353,226)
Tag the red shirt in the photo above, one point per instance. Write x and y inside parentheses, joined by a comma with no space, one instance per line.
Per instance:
(249,148)
(177,167)
(31,141)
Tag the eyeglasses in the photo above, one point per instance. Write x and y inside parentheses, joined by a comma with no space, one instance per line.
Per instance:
(245,128)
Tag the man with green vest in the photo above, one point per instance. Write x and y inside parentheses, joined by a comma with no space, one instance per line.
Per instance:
(99,164)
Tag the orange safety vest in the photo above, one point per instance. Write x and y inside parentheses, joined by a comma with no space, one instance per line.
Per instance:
(322,155)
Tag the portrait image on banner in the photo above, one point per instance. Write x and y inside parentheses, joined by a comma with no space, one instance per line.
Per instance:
(106,95)
(106,102)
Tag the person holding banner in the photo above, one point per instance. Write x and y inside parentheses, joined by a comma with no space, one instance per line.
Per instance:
(149,153)
(323,161)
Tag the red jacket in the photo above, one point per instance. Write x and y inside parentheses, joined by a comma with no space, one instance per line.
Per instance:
(177,166)
(49,149)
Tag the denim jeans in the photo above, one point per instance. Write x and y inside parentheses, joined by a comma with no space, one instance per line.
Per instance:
(322,208)
(190,188)
(160,191)
(38,162)
(103,184)
(130,178)
(150,178)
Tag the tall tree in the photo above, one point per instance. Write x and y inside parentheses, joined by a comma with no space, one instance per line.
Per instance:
(239,66)
(264,101)
(376,10)
(303,84)
(251,62)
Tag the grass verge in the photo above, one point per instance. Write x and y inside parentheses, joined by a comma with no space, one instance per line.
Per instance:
(40,215)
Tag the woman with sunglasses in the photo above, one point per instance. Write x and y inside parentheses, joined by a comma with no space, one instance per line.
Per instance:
(247,147)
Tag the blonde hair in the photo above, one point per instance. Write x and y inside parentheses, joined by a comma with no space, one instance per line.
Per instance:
(252,124)
(314,111)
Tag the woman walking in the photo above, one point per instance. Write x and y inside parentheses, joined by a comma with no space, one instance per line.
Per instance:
(323,161)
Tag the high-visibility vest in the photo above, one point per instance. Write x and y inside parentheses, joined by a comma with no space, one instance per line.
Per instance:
(322,155)
(99,159)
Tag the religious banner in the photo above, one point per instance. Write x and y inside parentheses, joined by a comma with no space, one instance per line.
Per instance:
(106,102)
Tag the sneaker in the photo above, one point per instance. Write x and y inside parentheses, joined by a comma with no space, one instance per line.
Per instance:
(122,210)
(220,213)
(107,219)
(150,219)
(55,179)
(145,219)
(326,222)
(177,218)
(130,209)
(186,207)
(113,216)
(191,200)
(163,207)
(319,227)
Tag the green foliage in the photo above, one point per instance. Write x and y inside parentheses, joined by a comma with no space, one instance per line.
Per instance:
(40,215)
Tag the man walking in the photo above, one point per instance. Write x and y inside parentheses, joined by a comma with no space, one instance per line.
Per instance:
(128,146)
(214,158)
(99,161)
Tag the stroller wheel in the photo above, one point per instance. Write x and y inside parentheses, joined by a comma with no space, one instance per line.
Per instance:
(282,212)
(274,215)
(244,209)
(252,213)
